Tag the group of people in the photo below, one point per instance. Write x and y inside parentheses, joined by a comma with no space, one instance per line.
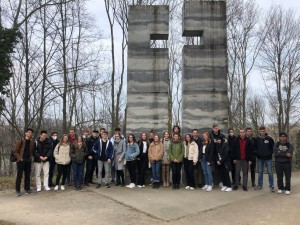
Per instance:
(108,157)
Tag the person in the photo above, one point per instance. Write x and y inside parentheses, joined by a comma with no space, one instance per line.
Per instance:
(42,154)
(190,160)
(119,155)
(78,154)
(263,148)
(223,162)
(283,151)
(54,141)
(166,160)
(72,138)
(151,136)
(142,159)
(62,159)
(23,151)
(113,167)
(85,135)
(198,140)
(132,151)
(253,160)
(241,155)
(155,156)
(207,158)
(231,138)
(104,150)
(176,151)
(91,161)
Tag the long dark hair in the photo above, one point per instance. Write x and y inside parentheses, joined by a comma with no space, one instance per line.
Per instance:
(133,137)
(141,138)
(191,139)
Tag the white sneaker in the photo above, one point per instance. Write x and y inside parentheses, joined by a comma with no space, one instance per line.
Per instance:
(62,187)
(191,188)
(228,189)
(47,188)
(209,188)
(132,185)
(279,191)
(287,192)
(187,187)
(204,187)
(39,189)
(223,188)
(56,188)
(139,186)
(143,186)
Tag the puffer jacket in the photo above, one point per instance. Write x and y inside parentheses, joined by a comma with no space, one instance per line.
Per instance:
(78,154)
(62,154)
(43,149)
(193,151)
(132,151)
(155,152)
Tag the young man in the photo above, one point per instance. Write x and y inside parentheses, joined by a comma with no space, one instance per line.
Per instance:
(253,160)
(151,136)
(231,138)
(23,151)
(104,150)
(54,141)
(241,154)
(263,148)
(283,151)
(91,162)
(198,140)
(72,138)
(42,154)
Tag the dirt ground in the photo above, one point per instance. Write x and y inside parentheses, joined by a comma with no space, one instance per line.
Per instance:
(147,206)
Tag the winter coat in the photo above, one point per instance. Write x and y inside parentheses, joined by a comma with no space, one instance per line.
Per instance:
(90,144)
(166,156)
(119,151)
(20,147)
(62,154)
(281,150)
(132,151)
(264,147)
(222,155)
(176,151)
(155,152)
(231,143)
(209,152)
(43,149)
(78,154)
(236,152)
(143,156)
(108,152)
(193,151)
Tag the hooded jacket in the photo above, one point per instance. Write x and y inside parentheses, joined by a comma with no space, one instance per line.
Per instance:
(264,147)
(109,152)
(281,150)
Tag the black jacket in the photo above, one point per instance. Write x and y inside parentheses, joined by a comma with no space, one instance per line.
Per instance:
(263,147)
(209,152)
(222,154)
(281,150)
(90,144)
(43,149)
(230,144)
(143,156)
(236,152)
(78,154)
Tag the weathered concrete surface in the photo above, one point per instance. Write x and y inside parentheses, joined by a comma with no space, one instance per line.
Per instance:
(147,76)
(119,205)
(205,65)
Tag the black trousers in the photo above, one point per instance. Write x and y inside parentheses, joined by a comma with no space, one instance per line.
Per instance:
(23,167)
(131,166)
(176,172)
(142,166)
(224,175)
(252,169)
(62,170)
(283,169)
(120,176)
(189,172)
(51,171)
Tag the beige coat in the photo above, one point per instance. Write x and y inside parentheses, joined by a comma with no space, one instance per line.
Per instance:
(155,152)
(193,152)
(62,154)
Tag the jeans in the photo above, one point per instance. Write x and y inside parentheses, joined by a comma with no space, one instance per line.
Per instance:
(77,169)
(23,167)
(176,172)
(156,170)
(268,163)
(189,172)
(286,170)
(38,168)
(207,172)
(107,170)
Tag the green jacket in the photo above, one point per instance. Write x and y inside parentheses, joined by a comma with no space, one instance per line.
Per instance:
(176,150)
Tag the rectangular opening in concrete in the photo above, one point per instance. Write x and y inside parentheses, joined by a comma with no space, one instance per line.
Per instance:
(158,43)
(198,40)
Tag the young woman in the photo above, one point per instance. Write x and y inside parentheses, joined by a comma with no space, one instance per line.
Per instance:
(63,159)
(155,156)
(166,159)
(78,154)
(142,160)
(190,159)
(207,157)
(119,152)
(131,153)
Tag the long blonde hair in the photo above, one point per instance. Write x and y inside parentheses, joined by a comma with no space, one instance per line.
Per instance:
(208,138)
(62,139)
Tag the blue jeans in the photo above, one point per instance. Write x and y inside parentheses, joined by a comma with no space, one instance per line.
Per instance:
(206,172)
(268,163)
(77,173)
(156,170)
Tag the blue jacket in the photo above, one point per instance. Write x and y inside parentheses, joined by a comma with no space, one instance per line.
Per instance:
(132,151)
(109,149)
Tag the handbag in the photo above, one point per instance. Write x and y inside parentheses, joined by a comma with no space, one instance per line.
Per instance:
(12,157)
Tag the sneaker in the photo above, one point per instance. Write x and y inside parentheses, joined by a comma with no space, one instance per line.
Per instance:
(272,189)
(18,193)
(139,186)
(235,187)
(47,188)
(221,185)
(245,188)
(62,187)
(56,188)
(228,189)
(279,191)
(223,188)
(39,189)
(187,187)
(143,186)
(107,185)
(209,188)
(287,192)
(204,187)
(258,187)
(98,186)
(28,192)
(132,185)
(192,188)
